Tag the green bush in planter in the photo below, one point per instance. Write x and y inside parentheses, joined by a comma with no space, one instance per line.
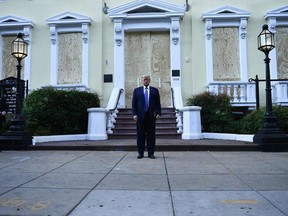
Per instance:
(51,112)
(216,113)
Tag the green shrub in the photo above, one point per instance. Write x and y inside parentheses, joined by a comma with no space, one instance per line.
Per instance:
(216,113)
(254,121)
(50,112)
(7,123)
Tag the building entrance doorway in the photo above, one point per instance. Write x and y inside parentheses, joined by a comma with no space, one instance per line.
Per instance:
(148,53)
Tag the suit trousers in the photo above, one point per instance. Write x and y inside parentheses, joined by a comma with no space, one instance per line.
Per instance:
(146,131)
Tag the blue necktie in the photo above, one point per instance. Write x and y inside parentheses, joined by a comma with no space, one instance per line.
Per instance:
(146,99)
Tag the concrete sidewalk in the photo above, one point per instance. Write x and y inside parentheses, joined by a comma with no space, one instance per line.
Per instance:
(202,183)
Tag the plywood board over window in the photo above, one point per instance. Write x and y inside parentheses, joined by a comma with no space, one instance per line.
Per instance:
(226,61)
(8,61)
(70,58)
(282,52)
(148,53)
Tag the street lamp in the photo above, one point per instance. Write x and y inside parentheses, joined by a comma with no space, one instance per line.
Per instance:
(270,137)
(16,134)
(19,50)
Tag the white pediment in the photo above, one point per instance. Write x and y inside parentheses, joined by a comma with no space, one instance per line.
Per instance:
(226,12)
(68,18)
(281,12)
(146,9)
(14,21)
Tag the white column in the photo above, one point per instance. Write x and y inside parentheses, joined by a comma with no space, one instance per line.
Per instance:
(97,119)
(119,59)
(191,122)
(273,55)
(27,68)
(209,51)
(243,49)
(54,55)
(175,51)
(85,54)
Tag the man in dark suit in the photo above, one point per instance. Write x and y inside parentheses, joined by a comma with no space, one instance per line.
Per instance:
(146,110)
(3,111)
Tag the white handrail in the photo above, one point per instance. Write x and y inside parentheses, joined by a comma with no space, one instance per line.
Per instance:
(178,105)
(112,108)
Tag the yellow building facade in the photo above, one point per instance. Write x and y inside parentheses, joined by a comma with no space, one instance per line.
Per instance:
(194,46)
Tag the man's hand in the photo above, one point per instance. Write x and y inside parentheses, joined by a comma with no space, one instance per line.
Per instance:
(135,117)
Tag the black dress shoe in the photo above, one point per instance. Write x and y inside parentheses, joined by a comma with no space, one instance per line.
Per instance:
(152,157)
(139,156)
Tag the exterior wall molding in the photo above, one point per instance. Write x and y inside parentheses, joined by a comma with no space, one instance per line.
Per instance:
(226,16)
(145,15)
(12,25)
(175,30)
(69,22)
(118,31)
(274,18)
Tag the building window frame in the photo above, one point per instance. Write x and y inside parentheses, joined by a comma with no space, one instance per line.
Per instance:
(12,25)
(276,18)
(69,22)
(226,16)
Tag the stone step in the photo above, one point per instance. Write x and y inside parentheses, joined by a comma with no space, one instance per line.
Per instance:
(125,126)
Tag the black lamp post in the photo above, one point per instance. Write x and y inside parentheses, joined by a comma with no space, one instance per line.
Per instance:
(270,137)
(16,134)
(19,50)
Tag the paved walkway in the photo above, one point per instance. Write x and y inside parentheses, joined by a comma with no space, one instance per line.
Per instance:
(110,183)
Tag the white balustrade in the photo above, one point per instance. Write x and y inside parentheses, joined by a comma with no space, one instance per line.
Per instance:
(281,93)
(178,104)
(240,93)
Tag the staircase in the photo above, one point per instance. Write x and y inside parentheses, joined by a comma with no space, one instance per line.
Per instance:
(125,126)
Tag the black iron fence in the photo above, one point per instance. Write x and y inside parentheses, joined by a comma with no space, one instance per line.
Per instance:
(257,80)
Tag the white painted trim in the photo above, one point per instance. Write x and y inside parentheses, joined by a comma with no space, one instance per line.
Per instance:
(134,5)
(12,25)
(83,137)
(69,22)
(58,138)
(226,16)
(226,136)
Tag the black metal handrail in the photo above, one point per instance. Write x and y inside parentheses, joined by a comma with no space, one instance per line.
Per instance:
(257,80)
(117,101)
(173,98)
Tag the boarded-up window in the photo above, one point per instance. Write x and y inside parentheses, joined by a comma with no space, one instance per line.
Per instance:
(148,53)
(8,61)
(70,58)
(282,52)
(226,61)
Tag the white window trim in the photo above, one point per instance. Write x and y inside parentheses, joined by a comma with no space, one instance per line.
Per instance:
(276,17)
(69,22)
(226,16)
(12,25)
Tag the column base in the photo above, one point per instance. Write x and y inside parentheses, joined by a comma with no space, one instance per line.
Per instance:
(15,140)
(271,140)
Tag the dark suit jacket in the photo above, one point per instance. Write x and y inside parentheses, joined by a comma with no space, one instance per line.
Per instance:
(138,103)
